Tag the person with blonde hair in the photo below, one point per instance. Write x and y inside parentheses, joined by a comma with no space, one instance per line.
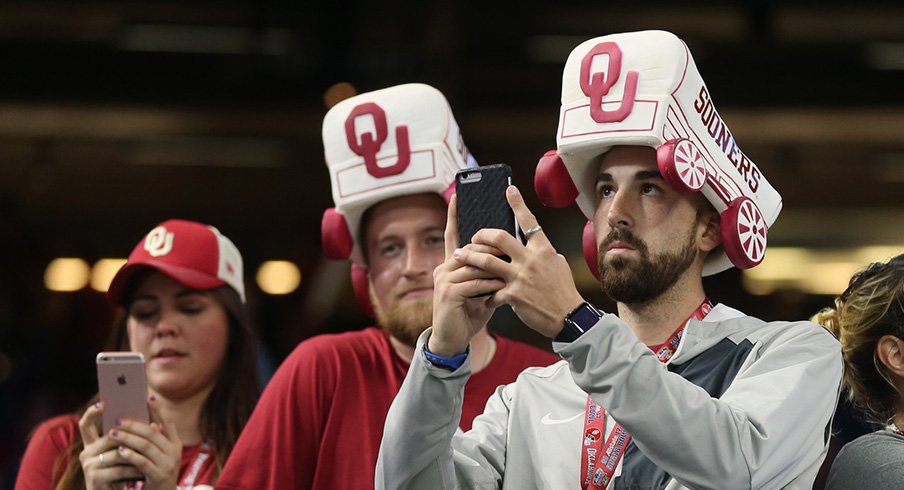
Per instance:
(868,319)
(392,155)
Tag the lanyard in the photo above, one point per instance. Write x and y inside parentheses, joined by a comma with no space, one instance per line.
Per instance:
(188,480)
(598,460)
(894,428)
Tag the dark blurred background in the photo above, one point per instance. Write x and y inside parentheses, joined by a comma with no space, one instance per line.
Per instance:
(116,115)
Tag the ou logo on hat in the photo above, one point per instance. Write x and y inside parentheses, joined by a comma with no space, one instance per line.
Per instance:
(599,84)
(370,143)
(159,242)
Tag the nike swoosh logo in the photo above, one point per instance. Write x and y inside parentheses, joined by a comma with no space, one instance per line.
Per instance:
(547,420)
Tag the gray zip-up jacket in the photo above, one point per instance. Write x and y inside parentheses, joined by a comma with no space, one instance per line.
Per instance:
(742,404)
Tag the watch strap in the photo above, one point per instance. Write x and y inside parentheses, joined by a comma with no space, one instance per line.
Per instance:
(450,363)
(578,321)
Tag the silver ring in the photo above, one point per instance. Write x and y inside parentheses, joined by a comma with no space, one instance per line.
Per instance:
(532,231)
(101,458)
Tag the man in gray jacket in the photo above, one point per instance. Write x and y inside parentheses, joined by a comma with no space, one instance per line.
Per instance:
(673,392)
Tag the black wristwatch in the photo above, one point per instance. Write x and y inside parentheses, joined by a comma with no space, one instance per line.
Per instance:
(581,319)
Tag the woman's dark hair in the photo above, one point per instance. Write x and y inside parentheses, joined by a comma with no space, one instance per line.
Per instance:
(229,404)
(871,307)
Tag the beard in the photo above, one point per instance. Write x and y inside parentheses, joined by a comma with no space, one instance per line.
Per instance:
(406,322)
(631,282)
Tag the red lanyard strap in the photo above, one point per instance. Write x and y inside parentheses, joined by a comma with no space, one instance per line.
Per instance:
(598,460)
(189,480)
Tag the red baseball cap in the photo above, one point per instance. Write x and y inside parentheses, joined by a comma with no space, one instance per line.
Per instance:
(191,253)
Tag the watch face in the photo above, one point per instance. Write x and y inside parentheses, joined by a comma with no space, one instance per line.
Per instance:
(585,317)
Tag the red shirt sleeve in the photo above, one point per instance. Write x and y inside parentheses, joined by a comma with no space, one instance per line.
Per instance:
(40,469)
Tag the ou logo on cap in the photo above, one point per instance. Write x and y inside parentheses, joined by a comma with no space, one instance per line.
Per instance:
(159,242)
(370,143)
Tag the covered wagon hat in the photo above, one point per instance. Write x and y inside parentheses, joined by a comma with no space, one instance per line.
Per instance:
(643,88)
(379,145)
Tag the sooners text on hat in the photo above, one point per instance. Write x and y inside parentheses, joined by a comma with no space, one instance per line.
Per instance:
(191,253)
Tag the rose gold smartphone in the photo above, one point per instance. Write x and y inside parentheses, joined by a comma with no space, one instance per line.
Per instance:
(123,387)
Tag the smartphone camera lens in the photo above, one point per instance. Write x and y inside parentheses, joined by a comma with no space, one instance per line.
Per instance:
(469,177)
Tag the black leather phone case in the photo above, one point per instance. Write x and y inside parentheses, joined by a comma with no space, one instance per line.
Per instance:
(481,202)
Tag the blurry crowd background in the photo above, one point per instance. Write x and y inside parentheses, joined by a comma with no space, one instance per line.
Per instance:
(116,115)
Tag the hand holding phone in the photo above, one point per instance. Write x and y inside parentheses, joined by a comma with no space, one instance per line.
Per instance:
(482,202)
(122,384)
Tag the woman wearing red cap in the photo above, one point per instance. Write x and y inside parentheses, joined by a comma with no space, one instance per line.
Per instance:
(182,306)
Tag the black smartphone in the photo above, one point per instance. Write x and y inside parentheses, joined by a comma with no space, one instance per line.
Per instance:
(482,203)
